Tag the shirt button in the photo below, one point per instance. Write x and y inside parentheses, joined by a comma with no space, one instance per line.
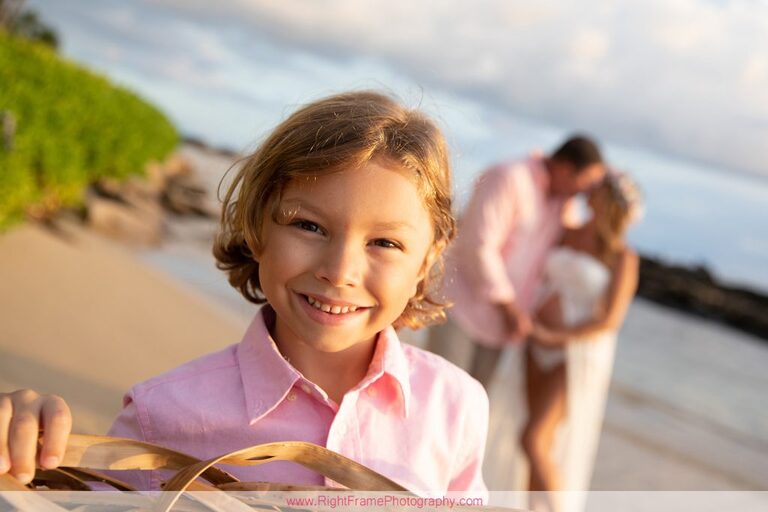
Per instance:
(305,388)
(371,391)
(291,396)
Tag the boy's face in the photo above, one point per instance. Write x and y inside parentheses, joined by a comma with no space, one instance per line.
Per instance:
(345,265)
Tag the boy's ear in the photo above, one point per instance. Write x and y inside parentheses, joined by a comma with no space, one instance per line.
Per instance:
(429,260)
(434,253)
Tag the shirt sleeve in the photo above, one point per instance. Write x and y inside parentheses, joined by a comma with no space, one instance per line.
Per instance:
(468,477)
(127,424)
(486,225)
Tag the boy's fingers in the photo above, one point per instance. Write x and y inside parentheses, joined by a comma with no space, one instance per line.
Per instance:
(6,410)
(57,424)
(22,434)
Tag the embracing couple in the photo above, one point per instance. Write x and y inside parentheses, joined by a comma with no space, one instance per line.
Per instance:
(525,272)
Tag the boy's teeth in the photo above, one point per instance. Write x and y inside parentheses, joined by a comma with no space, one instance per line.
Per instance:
(334,310)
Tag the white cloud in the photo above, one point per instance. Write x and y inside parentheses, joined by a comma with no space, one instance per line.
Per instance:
(587,54)
(755,70)
(688,77)
(686,27)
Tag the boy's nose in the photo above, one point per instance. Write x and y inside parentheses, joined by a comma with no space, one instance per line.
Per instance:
(341,265)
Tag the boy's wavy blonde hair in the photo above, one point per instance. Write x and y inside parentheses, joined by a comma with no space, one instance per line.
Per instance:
(341,132)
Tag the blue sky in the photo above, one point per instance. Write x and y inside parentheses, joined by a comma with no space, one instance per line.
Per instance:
(687,78)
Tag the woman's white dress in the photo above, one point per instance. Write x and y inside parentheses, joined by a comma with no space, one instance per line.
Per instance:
(581,282)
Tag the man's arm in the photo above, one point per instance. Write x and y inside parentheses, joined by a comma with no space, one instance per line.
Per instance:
(486,225)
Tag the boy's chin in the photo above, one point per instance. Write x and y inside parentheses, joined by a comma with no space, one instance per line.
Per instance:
(336,347)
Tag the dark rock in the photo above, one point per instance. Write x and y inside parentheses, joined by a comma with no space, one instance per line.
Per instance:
(123,221)
(697,291)
(201,144)
(132,210)
(185,195)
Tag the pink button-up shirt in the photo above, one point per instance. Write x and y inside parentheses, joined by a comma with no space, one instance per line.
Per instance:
(505,234)
(414,417)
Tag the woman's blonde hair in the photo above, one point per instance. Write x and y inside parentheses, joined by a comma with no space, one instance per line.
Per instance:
(623,206)
(340,132)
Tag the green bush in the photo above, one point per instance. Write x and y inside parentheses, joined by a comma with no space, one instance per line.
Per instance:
(72,127)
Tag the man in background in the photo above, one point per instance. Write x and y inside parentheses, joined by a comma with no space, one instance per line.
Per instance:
(516,214)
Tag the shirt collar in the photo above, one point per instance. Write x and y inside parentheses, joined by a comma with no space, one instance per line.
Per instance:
(389,360)
(268,378)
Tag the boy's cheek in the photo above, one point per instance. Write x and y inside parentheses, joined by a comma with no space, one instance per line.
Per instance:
(401,284)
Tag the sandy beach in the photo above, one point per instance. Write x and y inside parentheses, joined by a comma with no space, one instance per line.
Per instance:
(87,317)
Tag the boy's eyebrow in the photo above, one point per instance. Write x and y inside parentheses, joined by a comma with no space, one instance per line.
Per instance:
(297,205)
(387,226)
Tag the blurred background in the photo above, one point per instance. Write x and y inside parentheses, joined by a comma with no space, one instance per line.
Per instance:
(676,92)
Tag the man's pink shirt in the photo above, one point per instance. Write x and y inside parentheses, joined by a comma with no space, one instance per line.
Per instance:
(414,417)
(505,233)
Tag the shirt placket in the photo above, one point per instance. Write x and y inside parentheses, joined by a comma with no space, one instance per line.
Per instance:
(344,434)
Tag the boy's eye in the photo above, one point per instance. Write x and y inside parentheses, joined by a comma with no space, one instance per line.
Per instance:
(307,226)
(387,244)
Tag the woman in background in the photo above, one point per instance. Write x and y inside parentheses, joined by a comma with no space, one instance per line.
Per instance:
(589,282)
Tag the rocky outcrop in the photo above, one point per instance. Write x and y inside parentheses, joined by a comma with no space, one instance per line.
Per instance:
(695,290)
(133,210)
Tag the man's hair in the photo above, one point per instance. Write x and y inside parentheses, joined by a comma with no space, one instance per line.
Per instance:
(579,150)
(338,133)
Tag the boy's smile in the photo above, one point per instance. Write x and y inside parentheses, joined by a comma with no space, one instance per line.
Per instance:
(329,312)
(343,257)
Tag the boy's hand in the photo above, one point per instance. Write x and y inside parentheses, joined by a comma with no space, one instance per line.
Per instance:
(23,414)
